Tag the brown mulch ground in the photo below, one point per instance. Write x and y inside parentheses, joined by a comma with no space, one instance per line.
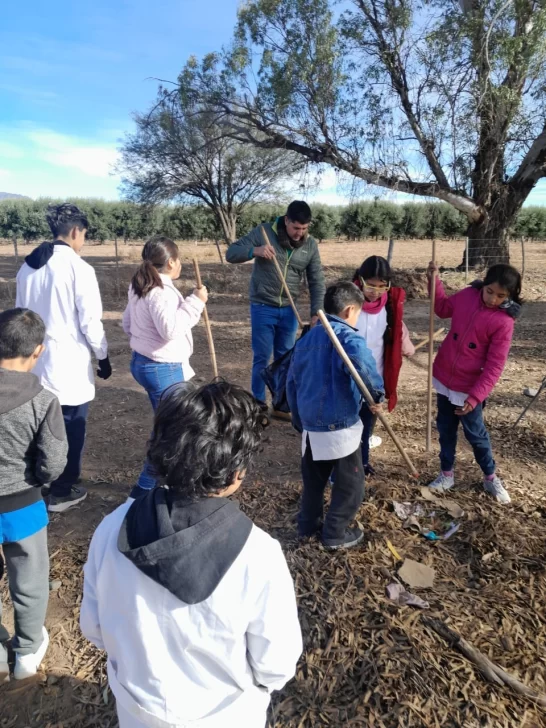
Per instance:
(367,662)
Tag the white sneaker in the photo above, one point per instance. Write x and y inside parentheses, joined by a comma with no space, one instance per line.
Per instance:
(442,483)
(375,441)
(4,666)
(27,665)
(496,488)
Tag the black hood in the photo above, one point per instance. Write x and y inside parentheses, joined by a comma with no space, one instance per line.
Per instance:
(510,307)
(40,255)
(17,388)
(186,547)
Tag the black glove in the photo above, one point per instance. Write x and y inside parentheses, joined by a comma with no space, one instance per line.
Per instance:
(105,369)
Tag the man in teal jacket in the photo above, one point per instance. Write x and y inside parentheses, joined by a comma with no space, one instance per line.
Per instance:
(274,325)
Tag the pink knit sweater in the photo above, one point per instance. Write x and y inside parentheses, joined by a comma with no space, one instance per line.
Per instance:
(159,325)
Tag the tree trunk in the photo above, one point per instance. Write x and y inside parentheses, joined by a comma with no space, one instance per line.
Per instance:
(118,282)
(488,240)
(16,251)
(487,244)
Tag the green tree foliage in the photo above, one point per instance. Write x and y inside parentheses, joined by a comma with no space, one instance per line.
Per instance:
(181,152)
(25,220)
(443,100)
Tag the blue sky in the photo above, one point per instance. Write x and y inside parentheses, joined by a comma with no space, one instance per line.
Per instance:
(72,73)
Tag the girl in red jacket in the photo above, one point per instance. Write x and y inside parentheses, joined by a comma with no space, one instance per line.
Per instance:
(469,364)
(380,323)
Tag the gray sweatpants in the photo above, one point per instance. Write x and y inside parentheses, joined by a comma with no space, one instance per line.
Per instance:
(27,566)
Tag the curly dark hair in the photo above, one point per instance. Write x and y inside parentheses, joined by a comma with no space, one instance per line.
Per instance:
(62,218)
(203,436)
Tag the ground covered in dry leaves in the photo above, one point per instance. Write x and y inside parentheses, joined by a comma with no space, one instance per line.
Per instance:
(367,662)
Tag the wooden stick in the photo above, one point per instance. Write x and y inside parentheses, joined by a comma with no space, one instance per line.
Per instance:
(360,384)
(492,672)
(283,282)
(207,322)
(531,403)
(431,351)
(425,341)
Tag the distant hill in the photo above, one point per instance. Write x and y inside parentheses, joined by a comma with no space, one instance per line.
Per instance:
(12,196)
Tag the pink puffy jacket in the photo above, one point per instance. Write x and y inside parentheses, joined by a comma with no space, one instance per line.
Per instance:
(473,354)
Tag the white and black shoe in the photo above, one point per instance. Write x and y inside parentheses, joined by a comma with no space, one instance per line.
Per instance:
(59,504)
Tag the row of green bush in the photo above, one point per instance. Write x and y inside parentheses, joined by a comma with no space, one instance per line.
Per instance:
(25,220)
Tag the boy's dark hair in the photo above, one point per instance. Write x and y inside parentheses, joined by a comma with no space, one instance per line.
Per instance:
(341,295)
(203,436)
(62,218)
(375,267)
(506,276)
(21,331)
(299,211)
(155,256)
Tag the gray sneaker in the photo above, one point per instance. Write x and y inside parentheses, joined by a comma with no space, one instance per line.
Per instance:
(442,483)
(496,488)
(59,504)
(352,537)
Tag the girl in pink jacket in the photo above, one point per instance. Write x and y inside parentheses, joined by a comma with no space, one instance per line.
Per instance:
(469,364)
(159,321)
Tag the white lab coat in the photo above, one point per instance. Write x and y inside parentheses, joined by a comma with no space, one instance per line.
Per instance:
(206,665)
(66,294)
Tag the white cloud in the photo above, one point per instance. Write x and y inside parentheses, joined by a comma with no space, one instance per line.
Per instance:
(44,162)
(65,151)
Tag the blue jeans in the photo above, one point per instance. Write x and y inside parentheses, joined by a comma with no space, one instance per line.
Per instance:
(475,432)
(155,377)
(75,422)
(273,332)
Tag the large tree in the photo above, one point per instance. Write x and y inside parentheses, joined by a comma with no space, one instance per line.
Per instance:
(426,97)
(180,152)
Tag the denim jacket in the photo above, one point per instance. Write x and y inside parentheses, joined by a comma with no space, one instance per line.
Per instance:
(320,390)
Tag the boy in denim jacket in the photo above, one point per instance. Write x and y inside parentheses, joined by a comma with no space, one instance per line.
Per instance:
(325,404)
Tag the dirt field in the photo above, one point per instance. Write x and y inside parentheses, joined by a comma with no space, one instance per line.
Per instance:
(366,661)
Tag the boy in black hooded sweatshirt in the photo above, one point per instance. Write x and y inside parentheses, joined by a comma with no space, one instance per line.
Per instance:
(194,604)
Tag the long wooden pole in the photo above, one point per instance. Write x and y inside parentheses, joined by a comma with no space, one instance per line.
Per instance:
(426,341)
(282,281)
(207,322)
(364,389)
(431,350)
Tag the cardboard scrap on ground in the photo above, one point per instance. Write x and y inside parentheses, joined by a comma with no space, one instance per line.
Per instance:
(416,574)
(454,509)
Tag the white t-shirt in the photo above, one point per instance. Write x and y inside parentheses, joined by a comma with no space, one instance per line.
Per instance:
(333,445)
(456,398)
(372,327)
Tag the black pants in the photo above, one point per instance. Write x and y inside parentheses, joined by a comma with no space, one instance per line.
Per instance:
(347,494)
(75,421)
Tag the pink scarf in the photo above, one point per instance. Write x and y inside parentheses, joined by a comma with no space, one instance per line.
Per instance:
(375,306)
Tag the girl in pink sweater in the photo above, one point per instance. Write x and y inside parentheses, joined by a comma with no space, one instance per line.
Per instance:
(159,321)
(469,364)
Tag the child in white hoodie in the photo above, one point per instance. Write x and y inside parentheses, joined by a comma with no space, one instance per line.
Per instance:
(194,604)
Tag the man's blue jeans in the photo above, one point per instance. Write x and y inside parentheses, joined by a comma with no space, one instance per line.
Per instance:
(475,432)
(155,377)
(274,332)
(75,422)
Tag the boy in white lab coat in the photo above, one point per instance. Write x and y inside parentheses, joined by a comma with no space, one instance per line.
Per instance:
(57,284)
(192,602)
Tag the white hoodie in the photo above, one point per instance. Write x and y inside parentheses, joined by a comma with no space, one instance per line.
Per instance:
(212,664)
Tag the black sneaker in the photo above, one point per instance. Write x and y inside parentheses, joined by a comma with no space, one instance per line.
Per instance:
(46,489)
(58,504)
(353,536)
